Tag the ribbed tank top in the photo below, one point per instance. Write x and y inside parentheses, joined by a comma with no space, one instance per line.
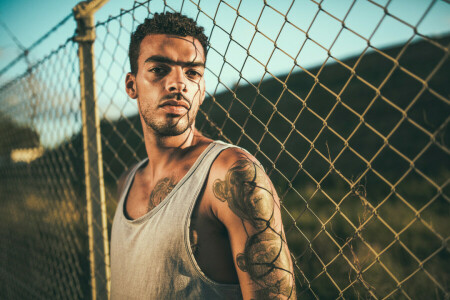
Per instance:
(151,257)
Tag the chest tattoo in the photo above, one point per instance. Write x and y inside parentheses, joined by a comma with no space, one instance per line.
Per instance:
(162,188)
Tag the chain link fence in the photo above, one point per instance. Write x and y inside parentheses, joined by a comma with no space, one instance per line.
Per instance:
(351,128)
(43,235)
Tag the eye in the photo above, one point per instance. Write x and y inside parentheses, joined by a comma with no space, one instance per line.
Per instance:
(193,74)
(158,71)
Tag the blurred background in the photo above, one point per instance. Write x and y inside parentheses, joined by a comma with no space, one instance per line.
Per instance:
(345,103)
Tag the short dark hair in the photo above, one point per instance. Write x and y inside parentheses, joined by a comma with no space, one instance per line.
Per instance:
(165,23)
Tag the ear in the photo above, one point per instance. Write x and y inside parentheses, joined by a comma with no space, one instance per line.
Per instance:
(130,85)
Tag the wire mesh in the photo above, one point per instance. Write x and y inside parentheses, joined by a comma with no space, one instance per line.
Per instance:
(43,233)
(356,143)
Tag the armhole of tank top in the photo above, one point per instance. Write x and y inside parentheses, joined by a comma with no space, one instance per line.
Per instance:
(126,189)
(188,224)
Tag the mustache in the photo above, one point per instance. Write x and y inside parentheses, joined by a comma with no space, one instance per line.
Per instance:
(177,96)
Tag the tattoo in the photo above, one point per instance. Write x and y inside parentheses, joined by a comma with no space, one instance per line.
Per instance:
(162,188)
(193,236)
(246,189)
(248,193)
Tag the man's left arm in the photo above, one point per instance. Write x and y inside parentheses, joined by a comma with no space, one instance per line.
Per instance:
(245,201)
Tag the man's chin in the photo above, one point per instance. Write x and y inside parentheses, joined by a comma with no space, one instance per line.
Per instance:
(168,126)
(169,130)
(169,133)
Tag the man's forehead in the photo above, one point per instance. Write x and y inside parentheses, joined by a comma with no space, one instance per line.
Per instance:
(179,45)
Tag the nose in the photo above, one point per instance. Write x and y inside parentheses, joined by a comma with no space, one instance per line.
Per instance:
(176,81)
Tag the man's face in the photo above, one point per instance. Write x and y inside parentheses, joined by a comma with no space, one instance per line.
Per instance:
(169,84)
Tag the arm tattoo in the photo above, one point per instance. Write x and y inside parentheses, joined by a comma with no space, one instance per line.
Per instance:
(249,195)
(162,188)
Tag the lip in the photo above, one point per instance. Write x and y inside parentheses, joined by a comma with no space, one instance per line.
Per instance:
(175,107)
(175,110)
(175,103)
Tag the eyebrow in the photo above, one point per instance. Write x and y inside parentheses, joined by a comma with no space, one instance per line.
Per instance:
(166,60)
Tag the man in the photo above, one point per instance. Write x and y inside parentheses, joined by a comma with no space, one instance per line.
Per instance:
(197,219)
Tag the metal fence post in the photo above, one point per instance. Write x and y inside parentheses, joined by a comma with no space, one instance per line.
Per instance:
(93,163)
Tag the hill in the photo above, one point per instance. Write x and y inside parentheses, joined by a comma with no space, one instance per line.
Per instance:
(305,105)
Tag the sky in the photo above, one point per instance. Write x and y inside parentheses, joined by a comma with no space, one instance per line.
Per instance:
(28,20)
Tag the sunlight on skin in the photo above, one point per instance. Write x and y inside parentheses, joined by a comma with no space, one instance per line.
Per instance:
(169,88)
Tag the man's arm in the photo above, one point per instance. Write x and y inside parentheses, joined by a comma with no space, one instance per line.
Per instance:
(244,200)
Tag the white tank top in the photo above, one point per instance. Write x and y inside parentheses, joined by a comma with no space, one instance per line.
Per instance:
(151,257)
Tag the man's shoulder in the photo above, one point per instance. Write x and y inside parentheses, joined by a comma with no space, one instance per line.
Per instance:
(230,157)
(237,172)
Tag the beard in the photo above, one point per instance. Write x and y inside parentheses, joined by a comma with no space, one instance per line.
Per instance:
(168,126)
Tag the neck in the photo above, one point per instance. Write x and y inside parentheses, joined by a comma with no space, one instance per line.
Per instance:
(163,150)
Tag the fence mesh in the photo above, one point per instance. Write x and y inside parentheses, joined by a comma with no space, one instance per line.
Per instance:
(356,144)
(43,235)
